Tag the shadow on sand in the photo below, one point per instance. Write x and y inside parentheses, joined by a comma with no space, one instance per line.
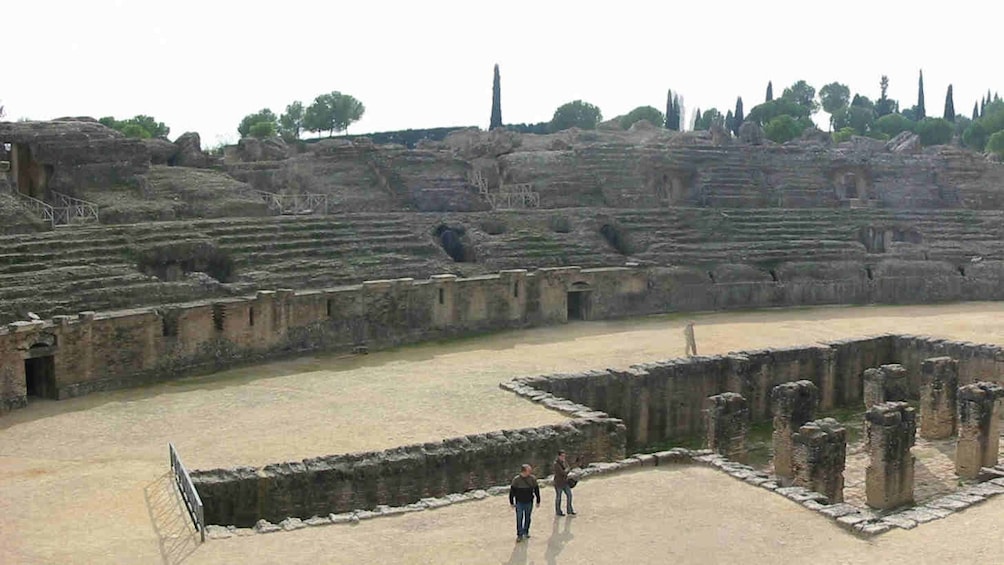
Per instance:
(176,535)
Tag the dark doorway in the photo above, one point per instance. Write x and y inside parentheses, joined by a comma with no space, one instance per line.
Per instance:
(30,177)
(40,376)
(578,305)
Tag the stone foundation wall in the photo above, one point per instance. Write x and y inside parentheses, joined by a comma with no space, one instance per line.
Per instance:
(663,401)
(343,483)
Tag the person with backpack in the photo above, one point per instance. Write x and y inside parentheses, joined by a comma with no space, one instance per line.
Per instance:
(522,491)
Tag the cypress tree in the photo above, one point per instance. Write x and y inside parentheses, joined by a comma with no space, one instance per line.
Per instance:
(729,120)
(770,91)
(949,105)
(496,121)
(697,120)
(989,100)
(983,106)
(669,109)
(976,111)
(738,116)
(676,113)
(921,111)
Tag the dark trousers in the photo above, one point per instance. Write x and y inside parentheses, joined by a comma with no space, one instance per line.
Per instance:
(523,511)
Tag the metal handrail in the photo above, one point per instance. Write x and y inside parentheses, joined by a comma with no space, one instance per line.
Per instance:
(300,203)
(75,208)
(46,211)
(193,503)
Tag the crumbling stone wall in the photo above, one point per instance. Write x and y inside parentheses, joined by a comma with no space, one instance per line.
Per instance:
(939,386)
(794,404)
(818,458)
(890,428)
(728,420)
(887,383)
(342,483)
(979,428)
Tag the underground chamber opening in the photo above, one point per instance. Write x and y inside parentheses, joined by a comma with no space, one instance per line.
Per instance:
(40,374)
(450,238)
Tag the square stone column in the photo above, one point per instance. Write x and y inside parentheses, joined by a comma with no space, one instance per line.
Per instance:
(979,428)
(891,429)
(939,387)
(793,404)
(820,450)
(728,419)
(885,384)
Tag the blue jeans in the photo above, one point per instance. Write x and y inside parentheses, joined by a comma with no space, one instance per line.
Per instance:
(557,499)
(523,511)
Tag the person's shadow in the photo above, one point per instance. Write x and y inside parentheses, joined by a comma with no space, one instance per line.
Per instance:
(558,539)
(518,556)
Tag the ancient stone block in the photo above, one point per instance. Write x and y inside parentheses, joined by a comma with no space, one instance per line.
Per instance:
(979,427)
(728,420)
(939,384)
(793,404)
(820,449)
(891,429)
(887,383)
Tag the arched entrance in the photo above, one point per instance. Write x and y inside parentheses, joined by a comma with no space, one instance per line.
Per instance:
(579,296)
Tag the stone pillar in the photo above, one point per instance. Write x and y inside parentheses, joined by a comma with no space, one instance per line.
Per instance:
(728,420)
(885,384)
(979,428)
(820,449)
(793,404)
(891,428)
(939,386)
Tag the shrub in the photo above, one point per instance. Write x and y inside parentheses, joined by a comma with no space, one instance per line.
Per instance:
(975,136)
(935,131)
(844,134)
(996,143)
(893,124)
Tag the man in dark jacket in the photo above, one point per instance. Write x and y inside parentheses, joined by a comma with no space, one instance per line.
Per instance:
(522,491)
(561,486)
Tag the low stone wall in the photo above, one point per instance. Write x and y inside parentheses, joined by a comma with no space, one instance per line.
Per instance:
(396,477)
(663,401)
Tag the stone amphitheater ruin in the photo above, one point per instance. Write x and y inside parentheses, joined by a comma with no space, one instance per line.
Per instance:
(126,263)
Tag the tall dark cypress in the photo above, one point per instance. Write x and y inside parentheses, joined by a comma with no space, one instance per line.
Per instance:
(729,120)
(983,106)
(976,111)
(669,109)
(770,91)
(677,117)
(921,112)
(697,120)
(949,105)
(496,121)
(738,116)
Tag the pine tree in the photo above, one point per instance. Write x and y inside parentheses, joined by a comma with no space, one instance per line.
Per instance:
(770,91)
(976,111)
(921,111)
(669,109)
(949,105)
(738,116)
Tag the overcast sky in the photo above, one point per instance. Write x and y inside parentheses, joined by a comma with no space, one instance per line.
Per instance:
(202,65)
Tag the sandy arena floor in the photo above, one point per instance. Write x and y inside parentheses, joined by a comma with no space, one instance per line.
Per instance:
(84,480)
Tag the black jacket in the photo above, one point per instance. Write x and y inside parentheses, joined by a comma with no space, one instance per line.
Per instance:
(524,489)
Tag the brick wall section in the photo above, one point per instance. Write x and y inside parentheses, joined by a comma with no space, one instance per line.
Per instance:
(131,347)
(342,483)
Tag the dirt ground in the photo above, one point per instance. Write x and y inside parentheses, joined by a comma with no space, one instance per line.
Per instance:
(84,480)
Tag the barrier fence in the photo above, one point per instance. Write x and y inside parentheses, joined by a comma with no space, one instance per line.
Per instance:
(191,497)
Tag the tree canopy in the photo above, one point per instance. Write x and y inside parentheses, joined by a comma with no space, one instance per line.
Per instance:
(648,113)
(264,115)
(140,126)
(802,94)
(708,117)
(332,112)
(576,114)
(835,97)
(291,121)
